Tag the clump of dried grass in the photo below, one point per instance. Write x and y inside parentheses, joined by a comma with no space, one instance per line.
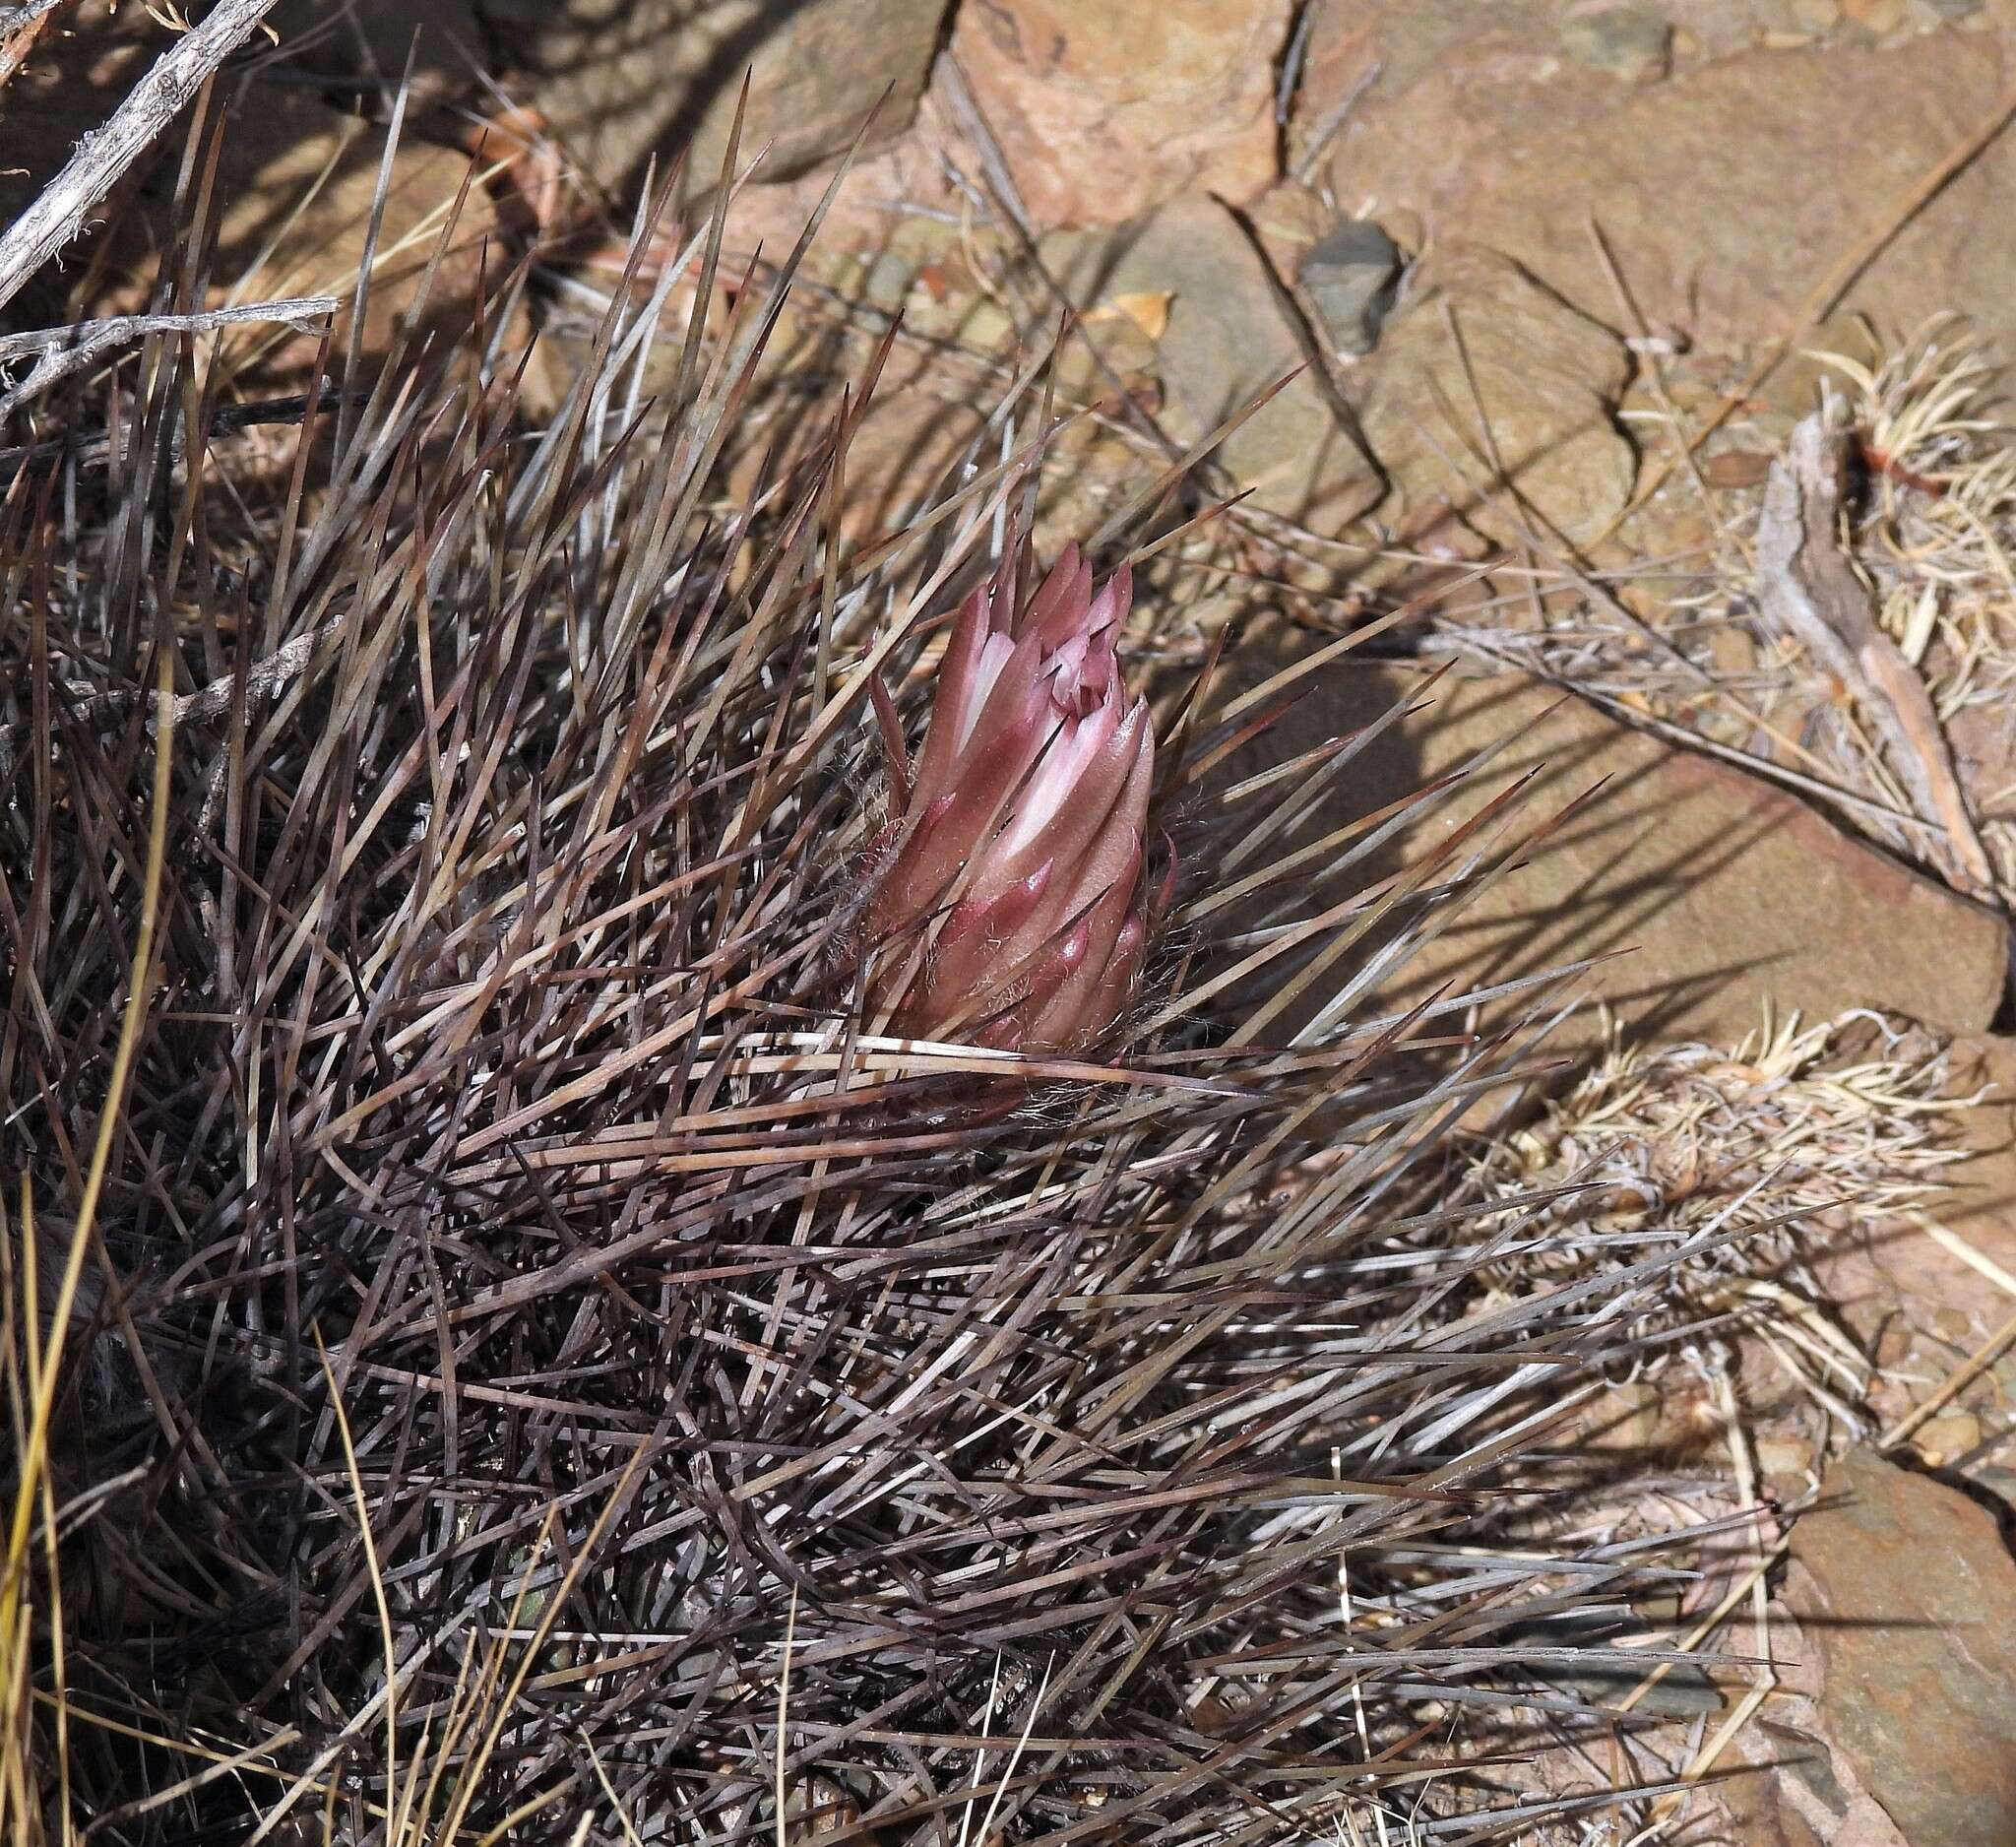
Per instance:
(1750,1149)
(1937,531)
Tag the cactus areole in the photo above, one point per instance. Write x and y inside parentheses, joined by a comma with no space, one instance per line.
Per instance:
(1010,907)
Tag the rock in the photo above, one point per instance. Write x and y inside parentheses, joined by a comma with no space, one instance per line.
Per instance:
(1351,276)
(1942,1440)
(1104,112)
(1631,42)
(1724,194)
(1481,359)
(1715,894)
(1784,1459)
(1923,1275)
(294,191)
(1907,1598)
(624,80)
(1226,340)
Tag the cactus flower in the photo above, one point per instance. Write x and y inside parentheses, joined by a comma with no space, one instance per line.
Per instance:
(1010,906)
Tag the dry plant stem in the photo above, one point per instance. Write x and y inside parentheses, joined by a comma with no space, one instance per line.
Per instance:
(64,350)
(94,448)
(1807,587)
(21,31)
(264,676)
(1326,131)
(59,212)
(1970,1256)
(1955,1382)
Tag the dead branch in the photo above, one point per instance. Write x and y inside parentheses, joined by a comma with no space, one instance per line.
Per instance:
(58,215)
(1806,584)
(284,664)
(63,351)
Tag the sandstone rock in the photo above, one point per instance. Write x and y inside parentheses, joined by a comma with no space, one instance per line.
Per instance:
(1907,1597)
(1482,361)
(1725,194)
(1226,340)
(1104,112)
(1719,893)
(624,80)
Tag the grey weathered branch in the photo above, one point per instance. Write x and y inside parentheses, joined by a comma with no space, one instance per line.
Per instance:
(1806,584)
(63,351)
(284,664)
(59,212)
(13,19)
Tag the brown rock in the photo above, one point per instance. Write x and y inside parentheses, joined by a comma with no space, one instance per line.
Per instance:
(1104,112)
(1926,1275)
(1907,1598)
(294,193)
(1226,340)
(1484,362)
(1725,194)
(622,81)
(1717,894)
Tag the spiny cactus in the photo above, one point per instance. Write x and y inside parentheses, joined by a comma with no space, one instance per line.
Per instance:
(601,1382)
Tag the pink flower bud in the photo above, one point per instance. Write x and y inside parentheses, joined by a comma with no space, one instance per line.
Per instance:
(1010,908)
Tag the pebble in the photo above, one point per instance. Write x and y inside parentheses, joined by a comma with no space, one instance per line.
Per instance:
(1785,1456)
(1634,44)
(1947,1437)
(1351,276)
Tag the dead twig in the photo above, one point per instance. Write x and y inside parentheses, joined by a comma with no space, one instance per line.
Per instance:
(63,351)
(268,675)
(21,31)
(1806,584)
(58,214)
(1326,130)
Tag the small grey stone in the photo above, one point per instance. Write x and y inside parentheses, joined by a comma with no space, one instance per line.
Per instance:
(887,283)
(1632,42)
(1956,9)
(1352,277)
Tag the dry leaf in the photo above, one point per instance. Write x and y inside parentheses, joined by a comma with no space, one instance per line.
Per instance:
(1149,311)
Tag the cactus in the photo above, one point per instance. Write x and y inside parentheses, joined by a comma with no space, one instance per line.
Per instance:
(602,1375)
